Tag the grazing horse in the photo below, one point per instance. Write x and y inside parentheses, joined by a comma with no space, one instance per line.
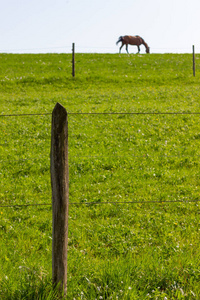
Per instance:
(132,40)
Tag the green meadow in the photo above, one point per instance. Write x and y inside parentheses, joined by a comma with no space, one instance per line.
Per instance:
(134,190)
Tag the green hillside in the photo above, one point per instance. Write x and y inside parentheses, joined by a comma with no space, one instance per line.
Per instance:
(134,168)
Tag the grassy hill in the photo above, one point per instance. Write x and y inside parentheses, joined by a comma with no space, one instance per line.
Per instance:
(133,137)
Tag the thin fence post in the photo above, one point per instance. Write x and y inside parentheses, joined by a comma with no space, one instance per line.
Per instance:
(73,59)
(60,196)
(193,60)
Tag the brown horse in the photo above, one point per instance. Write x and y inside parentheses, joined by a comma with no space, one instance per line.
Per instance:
(132,40)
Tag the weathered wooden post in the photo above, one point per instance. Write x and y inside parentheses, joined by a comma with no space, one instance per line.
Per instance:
(60,196)
(73,59)
(193,60)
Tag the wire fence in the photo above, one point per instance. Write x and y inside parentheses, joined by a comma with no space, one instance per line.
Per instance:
(88,203)
(103,203)
(98,49)
(105,113)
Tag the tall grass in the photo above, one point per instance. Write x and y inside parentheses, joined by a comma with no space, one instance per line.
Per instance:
(148,249)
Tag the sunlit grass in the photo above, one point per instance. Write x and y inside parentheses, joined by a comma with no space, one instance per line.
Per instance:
(145,250)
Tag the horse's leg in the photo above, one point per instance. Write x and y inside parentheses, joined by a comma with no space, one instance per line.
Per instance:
(127,48)
(121,48)
(138,49)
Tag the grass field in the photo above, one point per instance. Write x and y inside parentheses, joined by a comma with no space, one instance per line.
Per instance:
(143,250)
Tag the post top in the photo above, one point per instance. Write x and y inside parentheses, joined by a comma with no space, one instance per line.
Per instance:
(59,108)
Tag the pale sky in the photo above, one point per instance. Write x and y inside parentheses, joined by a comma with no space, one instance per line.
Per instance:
(45,26)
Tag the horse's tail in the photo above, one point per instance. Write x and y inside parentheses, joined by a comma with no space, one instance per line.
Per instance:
(119,40)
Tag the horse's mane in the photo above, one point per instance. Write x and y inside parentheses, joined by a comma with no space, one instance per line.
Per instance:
(138,36)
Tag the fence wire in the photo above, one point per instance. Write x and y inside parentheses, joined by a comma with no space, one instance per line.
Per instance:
(79,156)
(103,203)
(106,113)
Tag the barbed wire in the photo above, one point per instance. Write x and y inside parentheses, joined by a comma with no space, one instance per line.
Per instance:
(135,202)
(114,156)
(3,51)
(135,113)
(145,156)
(114,48)
(104,203)
(24,115)
(25,205)
(105,113)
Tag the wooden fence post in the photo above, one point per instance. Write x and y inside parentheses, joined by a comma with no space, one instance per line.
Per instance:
(193,60)
(73,59)
(60,196)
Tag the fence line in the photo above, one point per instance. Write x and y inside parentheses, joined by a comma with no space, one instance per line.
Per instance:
(78,156)
(7,51)
(106,113)
(136,113)
(24,115)
(104,203)
(32,49)
(25,205)
(60,188)
(106,157)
